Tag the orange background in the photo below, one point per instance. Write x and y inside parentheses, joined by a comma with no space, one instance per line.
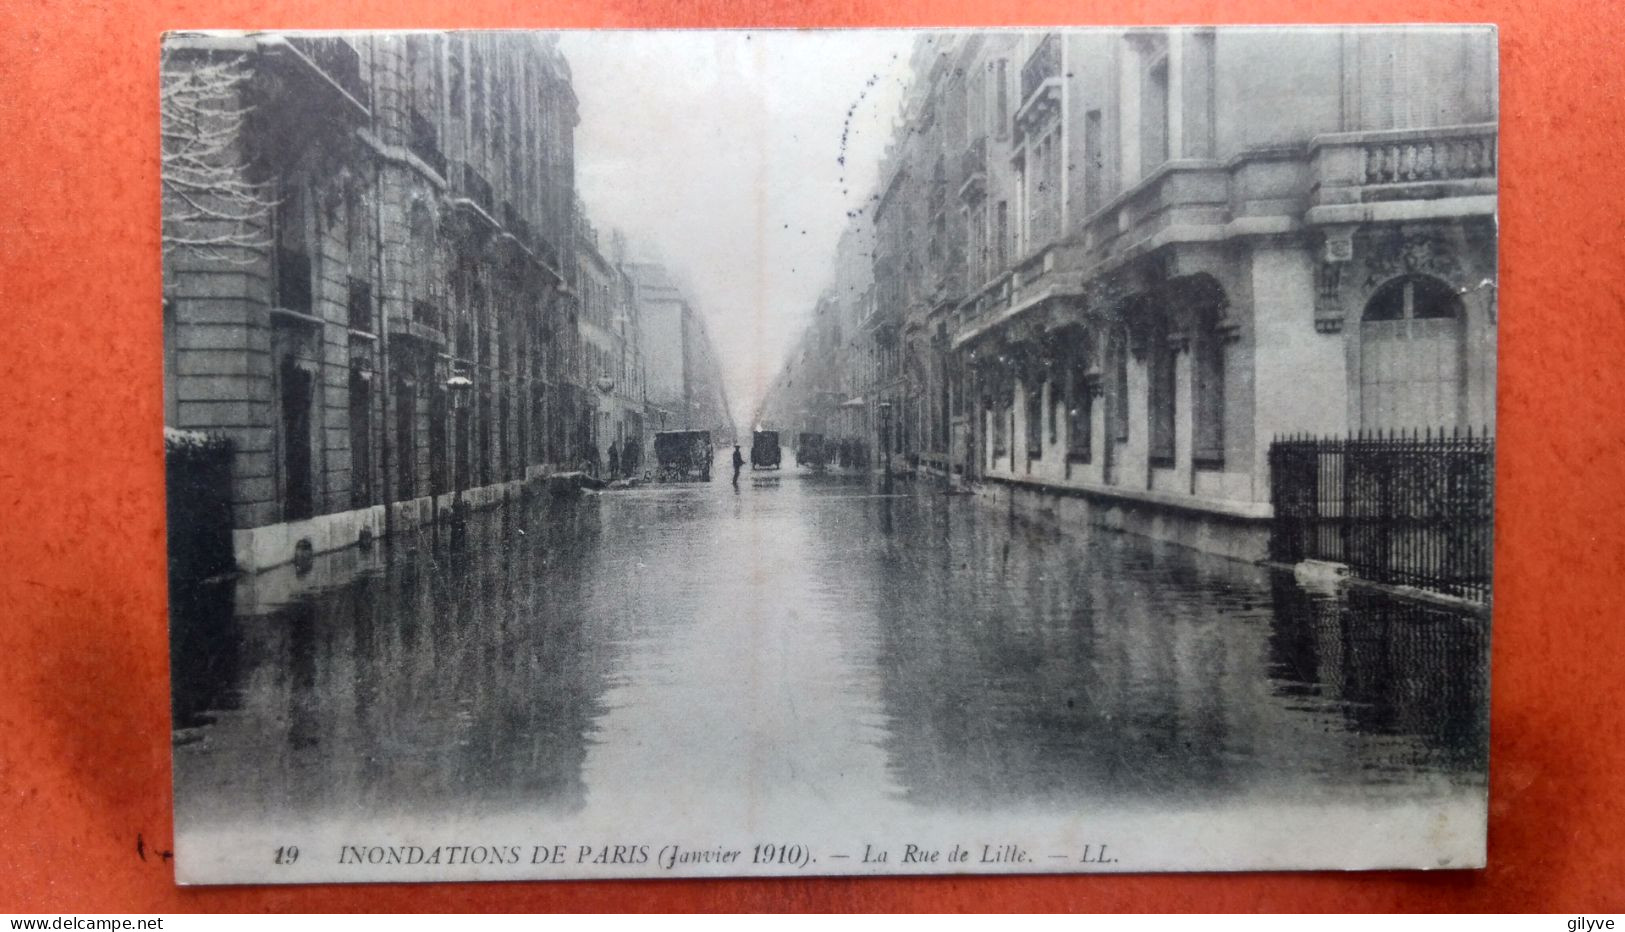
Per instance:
(84,716)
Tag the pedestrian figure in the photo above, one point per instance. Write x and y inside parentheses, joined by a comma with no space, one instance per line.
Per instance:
(614,461)
(739,461)
(629,459)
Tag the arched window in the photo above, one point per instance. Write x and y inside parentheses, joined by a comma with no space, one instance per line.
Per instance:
(1411,356)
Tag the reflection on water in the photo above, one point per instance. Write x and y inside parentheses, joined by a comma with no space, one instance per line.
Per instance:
(804,641)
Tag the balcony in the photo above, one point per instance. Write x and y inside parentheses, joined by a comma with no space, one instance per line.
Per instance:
(1042,70)
(973,168)
(1182,196)
(478,190)
(424,141)
(546,251)
(312,75)
(1404,165)
(423,325)
(337,59)
(426,312)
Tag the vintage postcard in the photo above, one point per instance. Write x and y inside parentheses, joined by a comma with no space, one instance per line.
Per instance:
(746,453)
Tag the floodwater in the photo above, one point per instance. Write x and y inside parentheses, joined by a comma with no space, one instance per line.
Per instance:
(807,654)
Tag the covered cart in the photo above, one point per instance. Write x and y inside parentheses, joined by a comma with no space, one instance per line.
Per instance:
(764,449)
(810,451)
(683,454)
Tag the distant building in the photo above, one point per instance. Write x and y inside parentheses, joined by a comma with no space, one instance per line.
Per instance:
(611,352)
(1114,264)
(389,322)
(684,387)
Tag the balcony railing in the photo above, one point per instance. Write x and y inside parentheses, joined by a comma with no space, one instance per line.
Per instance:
(478,190)
(974,159)
(545,249)
(517,225)
(360,305)
(424,141)
(1403,164)
(1044,64)
(426,312)
(338,59)
(1429,159)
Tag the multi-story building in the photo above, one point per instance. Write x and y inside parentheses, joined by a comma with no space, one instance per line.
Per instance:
(367,243)
(1177,245)
(827,385)
(683,378)
(611,354)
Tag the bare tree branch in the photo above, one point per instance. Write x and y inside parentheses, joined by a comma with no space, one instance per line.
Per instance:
(213,209)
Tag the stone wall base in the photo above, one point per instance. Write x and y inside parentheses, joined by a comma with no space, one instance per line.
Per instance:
(1227,535)
(261,548)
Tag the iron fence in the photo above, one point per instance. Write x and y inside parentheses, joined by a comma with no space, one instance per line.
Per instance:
(1412,509)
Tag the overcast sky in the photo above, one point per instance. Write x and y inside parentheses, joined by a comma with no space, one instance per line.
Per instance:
(719,152)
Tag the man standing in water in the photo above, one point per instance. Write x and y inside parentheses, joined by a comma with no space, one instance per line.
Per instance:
(739,460)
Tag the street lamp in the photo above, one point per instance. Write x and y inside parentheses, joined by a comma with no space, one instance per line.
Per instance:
(885,439)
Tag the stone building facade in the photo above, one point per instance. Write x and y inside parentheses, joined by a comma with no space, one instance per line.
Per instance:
(394,330)
(1111,266)
(684,386)
(612,356)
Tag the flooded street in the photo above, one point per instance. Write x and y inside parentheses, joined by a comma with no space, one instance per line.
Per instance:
(803,652)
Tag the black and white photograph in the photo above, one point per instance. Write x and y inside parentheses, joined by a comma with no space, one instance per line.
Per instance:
(745,453)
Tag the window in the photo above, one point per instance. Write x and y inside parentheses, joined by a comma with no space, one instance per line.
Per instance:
(293,285)
(976,105)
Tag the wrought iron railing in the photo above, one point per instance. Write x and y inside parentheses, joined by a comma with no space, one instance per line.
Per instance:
(1044,64)
(426,312)
(478,190)
(1445,156)
(424,141)
(974,159)
(1411,509)
(337,59)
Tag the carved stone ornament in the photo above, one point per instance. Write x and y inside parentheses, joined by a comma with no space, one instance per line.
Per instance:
(1339,244)
(1406,252)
